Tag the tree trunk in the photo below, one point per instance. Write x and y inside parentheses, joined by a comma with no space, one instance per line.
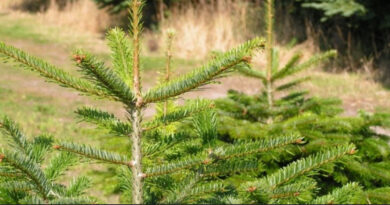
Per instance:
(136,156)
(136,115)
(269,46)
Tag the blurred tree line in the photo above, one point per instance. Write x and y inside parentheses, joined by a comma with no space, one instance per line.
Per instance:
(358,29)
(41,5)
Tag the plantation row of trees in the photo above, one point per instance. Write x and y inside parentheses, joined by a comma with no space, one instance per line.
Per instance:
(240,149)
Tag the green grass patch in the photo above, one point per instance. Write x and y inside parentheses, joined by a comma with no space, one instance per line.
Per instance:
(158,63)
(23,29)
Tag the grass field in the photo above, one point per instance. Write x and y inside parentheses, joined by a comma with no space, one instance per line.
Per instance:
(43,107)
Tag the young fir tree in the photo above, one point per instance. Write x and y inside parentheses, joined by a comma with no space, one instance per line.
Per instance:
(318,120)
(266,107)
(189,165)
(23,178)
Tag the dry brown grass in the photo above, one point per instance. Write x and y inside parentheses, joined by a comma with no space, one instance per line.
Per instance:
(82,16)
(201,28)
(7,4)
(216,25)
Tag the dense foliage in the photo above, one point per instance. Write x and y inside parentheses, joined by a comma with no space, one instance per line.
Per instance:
(24,179)
(280,108)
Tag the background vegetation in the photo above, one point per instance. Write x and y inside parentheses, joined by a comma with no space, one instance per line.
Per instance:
(356,28)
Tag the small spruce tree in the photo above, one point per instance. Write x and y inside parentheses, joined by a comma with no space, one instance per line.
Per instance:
(266,108)
(188,165)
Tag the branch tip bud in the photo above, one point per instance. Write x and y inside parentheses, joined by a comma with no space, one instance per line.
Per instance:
(78,58)
(299,141)
(247,59)
(251,189)
(56,147)
(206,161)
(353,151)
